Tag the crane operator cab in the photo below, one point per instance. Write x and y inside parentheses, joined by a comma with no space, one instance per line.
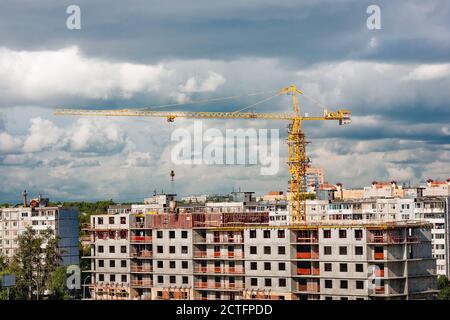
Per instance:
(344,116)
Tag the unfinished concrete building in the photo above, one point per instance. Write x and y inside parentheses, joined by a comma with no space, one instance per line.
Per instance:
(229,252)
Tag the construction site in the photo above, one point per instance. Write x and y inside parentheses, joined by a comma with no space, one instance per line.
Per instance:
(284,249)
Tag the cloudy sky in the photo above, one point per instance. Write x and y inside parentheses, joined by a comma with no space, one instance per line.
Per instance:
(130,54)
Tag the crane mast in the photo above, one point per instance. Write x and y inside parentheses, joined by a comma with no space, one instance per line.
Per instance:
(298,161)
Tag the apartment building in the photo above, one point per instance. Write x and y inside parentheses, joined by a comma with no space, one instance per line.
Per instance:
(39,216)
(217,252)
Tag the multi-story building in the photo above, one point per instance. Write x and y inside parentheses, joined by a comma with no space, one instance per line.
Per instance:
(39,216)
(240,251)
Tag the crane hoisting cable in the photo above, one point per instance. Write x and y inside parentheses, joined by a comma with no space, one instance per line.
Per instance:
(298,161)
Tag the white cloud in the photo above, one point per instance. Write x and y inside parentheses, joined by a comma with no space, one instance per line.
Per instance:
(96,136)
(41,75)
(9,143)
(42,135)
(429,72)
(140,159)
(205,84)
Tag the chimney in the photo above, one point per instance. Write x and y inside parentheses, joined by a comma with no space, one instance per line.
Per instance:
(374,183)
(25,198)
(394,184)
(429,182)
(448,181)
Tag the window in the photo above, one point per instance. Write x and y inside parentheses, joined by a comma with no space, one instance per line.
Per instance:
(266,234)
(172,264)
(343,251)
(111,220)
(281,266)
(343,284)
(112,249)
(359,267)
(358,234)
(254,282)
(282,282)
(101,277)
(185,280)
(359,251)
(327,250)
(342,234)
(253,250)
(266,250)
(268,282)
(100,220)
(172,249)
(328,298)
(343,267)
(327,234)
(123,249)
(252,234)
(281,234)
(328,267)
(184,264)
(112,277)
(171,234)
(360,285)
(267,266)
(328,284)
(160,264)
(123,278)
(184,249)
(253,266)
(123,263)
(101,263)
(159,249)
(172,279)
(100,249)
(160,279)
(123,220)
(112,263)
(344,298)
(184,234)
(281,250)
(159,234)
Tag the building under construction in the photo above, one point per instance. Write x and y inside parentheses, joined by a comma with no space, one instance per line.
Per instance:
(250,250)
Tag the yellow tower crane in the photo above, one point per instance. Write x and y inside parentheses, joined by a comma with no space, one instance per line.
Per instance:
(298,161)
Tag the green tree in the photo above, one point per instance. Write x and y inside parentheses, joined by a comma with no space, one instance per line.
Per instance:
(442,282)
(57,285)
(35,260)
(444,294)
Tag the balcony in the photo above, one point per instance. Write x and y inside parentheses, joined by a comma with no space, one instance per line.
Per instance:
(310,287)
(307,255)
(218,255)
(379,273)
(308,271)
(145,268)
(141,283)
(141,239)
(378,255)
(307,240)
(140,225)
(226,240)
(218,285)
(142,254)
(379,290)
(229,270)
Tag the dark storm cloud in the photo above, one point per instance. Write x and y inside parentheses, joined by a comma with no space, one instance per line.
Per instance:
(298,32)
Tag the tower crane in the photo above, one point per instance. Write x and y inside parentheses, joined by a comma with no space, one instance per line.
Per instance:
(298,161)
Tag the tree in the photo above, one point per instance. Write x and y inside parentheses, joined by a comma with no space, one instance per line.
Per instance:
(444,294)
(442,282)
(35,260)
(57,285)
